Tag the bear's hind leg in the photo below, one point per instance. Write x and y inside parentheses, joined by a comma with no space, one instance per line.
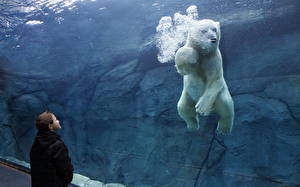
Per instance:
(225,125)
(186,110)
(225,108)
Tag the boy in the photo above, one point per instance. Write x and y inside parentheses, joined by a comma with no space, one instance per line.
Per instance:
(50,163)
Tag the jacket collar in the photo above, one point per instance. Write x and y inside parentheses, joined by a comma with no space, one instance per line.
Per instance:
(47,133)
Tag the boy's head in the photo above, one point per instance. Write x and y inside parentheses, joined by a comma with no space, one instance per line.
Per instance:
(47,121)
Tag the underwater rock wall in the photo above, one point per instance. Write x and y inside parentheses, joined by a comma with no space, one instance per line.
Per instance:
(117,105)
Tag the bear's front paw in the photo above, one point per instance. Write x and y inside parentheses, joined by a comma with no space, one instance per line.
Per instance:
(203,107)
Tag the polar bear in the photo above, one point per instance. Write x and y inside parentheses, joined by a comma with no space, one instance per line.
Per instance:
(199,61)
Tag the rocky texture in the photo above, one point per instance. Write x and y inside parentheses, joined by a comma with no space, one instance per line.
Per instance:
(98,73)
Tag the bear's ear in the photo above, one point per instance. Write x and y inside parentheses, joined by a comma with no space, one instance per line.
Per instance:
(218,24)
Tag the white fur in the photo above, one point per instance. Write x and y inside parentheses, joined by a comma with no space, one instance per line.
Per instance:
(204,90)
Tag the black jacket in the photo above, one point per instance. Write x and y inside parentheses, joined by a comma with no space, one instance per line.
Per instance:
(50,162)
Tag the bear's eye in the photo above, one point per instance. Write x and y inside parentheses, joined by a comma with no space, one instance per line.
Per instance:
(214,29)
(204,31)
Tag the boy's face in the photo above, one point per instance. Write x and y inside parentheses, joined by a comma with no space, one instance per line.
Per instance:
(55,126)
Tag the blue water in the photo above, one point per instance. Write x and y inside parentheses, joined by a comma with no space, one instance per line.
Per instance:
(94,63)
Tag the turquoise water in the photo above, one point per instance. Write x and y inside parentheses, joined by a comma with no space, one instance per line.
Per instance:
(95,64)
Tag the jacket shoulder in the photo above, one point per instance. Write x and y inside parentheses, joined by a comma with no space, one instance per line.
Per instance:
(58,148)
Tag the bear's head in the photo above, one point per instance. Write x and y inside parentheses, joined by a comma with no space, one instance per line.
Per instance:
(204,36)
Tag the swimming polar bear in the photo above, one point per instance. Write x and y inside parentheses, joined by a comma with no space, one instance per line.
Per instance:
(199,61)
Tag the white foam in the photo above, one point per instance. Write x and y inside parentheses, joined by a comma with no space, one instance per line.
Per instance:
(34,22)
(172,33)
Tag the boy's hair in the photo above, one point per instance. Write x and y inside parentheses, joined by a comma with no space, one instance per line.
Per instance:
(43,120)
